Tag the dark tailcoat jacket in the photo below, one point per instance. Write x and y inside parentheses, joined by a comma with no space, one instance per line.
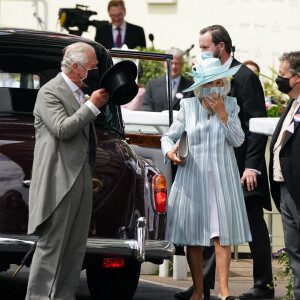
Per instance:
(289,160)
(246,87)
(134,36)
(155,97)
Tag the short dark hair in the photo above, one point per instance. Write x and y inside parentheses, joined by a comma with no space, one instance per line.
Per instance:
(251,62)
(293,58)
(219,34)
(116,3)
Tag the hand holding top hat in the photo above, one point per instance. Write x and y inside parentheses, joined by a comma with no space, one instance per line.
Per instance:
(99,97)
(119,82)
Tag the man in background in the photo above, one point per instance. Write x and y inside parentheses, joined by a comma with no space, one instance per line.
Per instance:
(155,98)
(252,66)
(284,171)
(120,32)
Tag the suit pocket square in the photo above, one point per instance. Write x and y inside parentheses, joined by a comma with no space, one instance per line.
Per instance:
(291,128)
(183,146)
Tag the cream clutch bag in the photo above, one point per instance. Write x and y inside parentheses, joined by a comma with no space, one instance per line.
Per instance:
(183,150)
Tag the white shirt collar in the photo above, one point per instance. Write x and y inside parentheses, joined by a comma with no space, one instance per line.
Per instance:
(298,99)
(69,82)
(228,62)
(123,27)
(177,79)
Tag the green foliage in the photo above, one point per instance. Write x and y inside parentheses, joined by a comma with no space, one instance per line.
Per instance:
(271,92)
(154,69)
(275,111)
(285,273)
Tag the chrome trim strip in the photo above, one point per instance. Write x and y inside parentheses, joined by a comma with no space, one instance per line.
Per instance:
(147,249)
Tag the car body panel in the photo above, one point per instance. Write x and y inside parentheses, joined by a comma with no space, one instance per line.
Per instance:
(126,194)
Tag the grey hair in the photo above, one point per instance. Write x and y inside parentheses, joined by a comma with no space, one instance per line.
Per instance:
(76,52)
(176,52)
(226,81)
(293,58)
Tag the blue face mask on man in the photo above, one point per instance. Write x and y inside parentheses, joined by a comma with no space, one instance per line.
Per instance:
(209,54)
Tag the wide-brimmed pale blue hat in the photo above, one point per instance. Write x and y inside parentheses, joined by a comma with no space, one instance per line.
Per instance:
(209,70)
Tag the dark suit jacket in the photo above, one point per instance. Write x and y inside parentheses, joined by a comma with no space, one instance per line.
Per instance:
(289,160)
(155,98)
(134,36)
(246,87)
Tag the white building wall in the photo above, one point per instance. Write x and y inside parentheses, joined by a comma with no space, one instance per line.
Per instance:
(261,30)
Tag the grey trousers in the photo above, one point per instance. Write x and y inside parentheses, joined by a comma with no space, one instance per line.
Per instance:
(57,261)
(291,226)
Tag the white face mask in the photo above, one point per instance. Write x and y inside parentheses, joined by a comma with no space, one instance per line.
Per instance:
(219,90)
(209,54)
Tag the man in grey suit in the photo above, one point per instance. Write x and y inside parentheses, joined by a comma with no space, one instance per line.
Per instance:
(60,197)
(155,98)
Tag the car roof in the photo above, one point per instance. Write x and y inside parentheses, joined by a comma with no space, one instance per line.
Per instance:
(42,46)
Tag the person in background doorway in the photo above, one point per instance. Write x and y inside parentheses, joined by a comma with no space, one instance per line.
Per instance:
(120,32)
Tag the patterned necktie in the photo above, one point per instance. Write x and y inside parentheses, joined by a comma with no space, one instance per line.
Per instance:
(119,38)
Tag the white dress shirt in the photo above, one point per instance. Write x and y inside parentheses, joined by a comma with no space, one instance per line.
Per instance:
(77,91)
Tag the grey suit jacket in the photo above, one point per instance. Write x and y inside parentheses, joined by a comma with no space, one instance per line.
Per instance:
(155,98)
(61,147)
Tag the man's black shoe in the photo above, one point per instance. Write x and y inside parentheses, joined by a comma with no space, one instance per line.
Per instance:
(258,293)
(187,294)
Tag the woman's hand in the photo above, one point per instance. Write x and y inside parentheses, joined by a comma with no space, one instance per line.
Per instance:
(216,103)
(174,158)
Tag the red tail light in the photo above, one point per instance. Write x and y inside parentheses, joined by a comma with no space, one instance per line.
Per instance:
(160,193)
(117,262)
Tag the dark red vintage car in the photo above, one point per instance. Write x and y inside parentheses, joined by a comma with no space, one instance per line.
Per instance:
(129,212)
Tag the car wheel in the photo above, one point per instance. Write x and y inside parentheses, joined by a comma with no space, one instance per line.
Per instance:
(113,284)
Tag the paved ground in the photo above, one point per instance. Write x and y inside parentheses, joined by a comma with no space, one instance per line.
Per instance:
(240,280)
(150,287)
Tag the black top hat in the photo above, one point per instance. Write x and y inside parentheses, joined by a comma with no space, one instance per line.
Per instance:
(119,82)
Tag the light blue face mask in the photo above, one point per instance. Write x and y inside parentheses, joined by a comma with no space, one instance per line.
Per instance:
(219,90)
(208,54)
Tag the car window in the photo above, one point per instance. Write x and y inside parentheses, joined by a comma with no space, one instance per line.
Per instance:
(136,119)
(19,80)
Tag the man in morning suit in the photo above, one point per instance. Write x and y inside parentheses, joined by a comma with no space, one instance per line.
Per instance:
(215,41)
(119,32)
(284,171)
(60,196)
(155,97)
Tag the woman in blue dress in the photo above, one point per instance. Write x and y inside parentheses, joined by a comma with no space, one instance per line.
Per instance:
(206,203)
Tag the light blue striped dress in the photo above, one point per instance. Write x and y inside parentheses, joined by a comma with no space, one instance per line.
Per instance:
(189,216)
